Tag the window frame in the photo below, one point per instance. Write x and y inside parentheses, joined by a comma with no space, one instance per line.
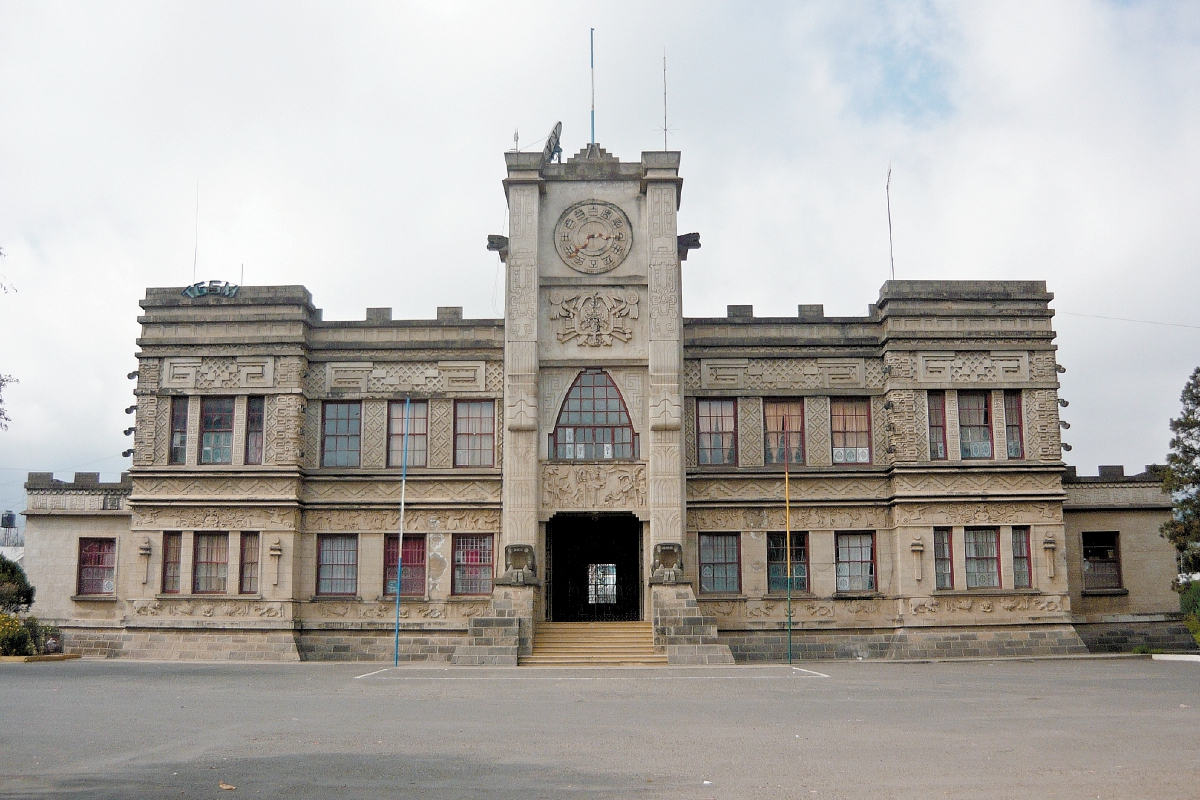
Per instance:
(255,431)
(326,538)
(395,437)
(466,435)
(781,563)
(797,432)
(963,442)
(873,561)
(249,542)
(456,581)
(177,443)
(108,571)
(1085,562)
(390,543)
(998,574)
(833,433)
(947,536)
(172,541)
(326,436)
(225,449)
(701,450)
(940,396)
(1022,574)
(737,562)
(1013,401)
(565,435)
(221,568)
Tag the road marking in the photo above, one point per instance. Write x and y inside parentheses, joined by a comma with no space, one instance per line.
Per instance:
(1175,657)
(811,672)
(369,674)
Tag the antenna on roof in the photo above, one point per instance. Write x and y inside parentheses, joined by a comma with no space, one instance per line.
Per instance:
(891,250)
(196,250)
(664,98)
(592,42)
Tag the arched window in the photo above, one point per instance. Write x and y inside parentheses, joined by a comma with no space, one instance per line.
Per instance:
(593,424)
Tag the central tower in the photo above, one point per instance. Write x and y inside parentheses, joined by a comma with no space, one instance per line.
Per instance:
(592,362)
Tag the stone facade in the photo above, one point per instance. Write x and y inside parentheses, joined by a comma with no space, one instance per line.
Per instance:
(266,475)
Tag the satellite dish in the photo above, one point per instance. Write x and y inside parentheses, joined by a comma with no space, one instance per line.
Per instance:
(552,149)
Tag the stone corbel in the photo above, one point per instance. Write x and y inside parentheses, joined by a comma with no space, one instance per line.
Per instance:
(144,550)
(520,566)
(1050,546)
(918,551)
(276,552)
(667,567)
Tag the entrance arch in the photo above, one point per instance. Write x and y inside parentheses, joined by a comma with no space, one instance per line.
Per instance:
(593,567)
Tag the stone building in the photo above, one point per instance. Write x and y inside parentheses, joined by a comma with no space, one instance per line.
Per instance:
(595,457)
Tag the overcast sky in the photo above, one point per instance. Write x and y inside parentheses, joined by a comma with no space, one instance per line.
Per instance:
(356,148)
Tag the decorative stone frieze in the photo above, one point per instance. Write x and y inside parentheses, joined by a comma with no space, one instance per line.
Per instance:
(803,518)
(461,490)
(416,520)
(210,607)
(569,487)
(251,518)
(594,317)
(978,513)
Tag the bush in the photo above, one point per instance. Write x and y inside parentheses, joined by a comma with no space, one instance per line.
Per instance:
(14,637)
(1189,599)
(44,638)
(15,592)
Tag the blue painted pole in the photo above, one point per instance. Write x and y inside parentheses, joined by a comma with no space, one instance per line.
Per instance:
(400,543)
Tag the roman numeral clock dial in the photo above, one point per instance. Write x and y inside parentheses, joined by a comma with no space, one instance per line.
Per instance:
(593,237)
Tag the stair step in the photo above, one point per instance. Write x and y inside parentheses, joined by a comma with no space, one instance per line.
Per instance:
(593,644)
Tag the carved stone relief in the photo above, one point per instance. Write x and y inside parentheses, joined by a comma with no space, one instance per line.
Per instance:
(214,486)
(817,437)
(970,484)
(802,518)
(162,429)
(978,513)
(594,317)
(209,608)
(936,606)
(973,367)
(417,520)
(721,489)
(593,486)
(783,374)
(441,434)
(374,434)
(750,431)
(689,431)
(214,518)
(425,491)
(1042,433)
(879,432)
(179,373)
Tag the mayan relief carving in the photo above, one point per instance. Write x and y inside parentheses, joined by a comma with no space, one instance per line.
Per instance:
(880,432)
(179,373)
(689,431)
(1116,495)
(631,382)
(65,501)
(270,429)
(593,237)
(161,420)
(587,486)
(1042,366)
(288,416)
(977,484)
(289,372)
(900,366)
(1042,433)
(440,454)
(723,373)
(817,437)
(750,431)
(434,491)
(744,519)
(211,486)
(978,513)
(664,298)
(522,296)
(973,367)
(208,608)
(149,377)
(783,374)
(229,519)
(256,372)
(388,520)
(594,318)
(373,454)
(719,489)
(935,606)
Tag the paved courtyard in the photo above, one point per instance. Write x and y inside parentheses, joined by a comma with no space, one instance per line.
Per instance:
(1121,728)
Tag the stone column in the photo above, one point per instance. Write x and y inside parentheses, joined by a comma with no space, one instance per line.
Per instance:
(660,172)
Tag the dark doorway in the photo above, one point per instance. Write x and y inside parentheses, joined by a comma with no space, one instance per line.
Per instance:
(593,568)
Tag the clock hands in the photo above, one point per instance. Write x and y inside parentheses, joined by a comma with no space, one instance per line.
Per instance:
(587,242)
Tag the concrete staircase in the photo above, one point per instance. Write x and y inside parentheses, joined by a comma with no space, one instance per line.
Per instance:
(593,644)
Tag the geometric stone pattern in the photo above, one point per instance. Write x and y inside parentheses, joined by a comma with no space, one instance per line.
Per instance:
(750,431)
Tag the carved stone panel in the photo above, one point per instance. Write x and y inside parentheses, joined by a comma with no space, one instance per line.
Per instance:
(387,520)
(219,518)
(880,435)
(373,453)
(723,373)
(594,317)
(689,431)
(1042,433)
(802,518)
(570,487)
(441,434)
(973,367)
(179,373)
(162,429)
(256,372)
(978,513)
(1000,446)
(817,437)
(750,431)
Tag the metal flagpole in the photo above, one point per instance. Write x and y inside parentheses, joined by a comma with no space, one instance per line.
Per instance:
(787,527)
(592,43)
(400,543)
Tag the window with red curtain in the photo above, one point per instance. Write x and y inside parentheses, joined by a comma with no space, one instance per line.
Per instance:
(412,576)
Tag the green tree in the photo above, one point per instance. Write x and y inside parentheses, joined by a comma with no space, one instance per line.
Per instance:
(1183,477)
(15,592)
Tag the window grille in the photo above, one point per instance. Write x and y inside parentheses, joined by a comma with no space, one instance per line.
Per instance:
(856,562)
(1022,563)
(210,565)
(418,433)
(248,566)
(343,432)
(255,421)
(474,433)
(602,584)
(716,432)
(975,424)
(172,561)
(1014,425)
(412,578)
(216,430)
(850,425)
(983,558)
(97,566)
(473,564)
(937,426)
(1101,560)
(719,562)
(179,425)
(593,424)
(778,414)
(943,558)
(777,562)
(337,564)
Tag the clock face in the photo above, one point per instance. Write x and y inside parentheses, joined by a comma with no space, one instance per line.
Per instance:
(593,237)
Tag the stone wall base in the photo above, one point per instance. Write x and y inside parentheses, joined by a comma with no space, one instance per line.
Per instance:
(1123,637)
(758,646)
(682,631)
(175,644)
(376,645)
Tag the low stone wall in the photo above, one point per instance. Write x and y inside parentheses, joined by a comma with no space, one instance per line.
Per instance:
(762,646)
(175,644)
(683,631)
(1165,633)
(378,645)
